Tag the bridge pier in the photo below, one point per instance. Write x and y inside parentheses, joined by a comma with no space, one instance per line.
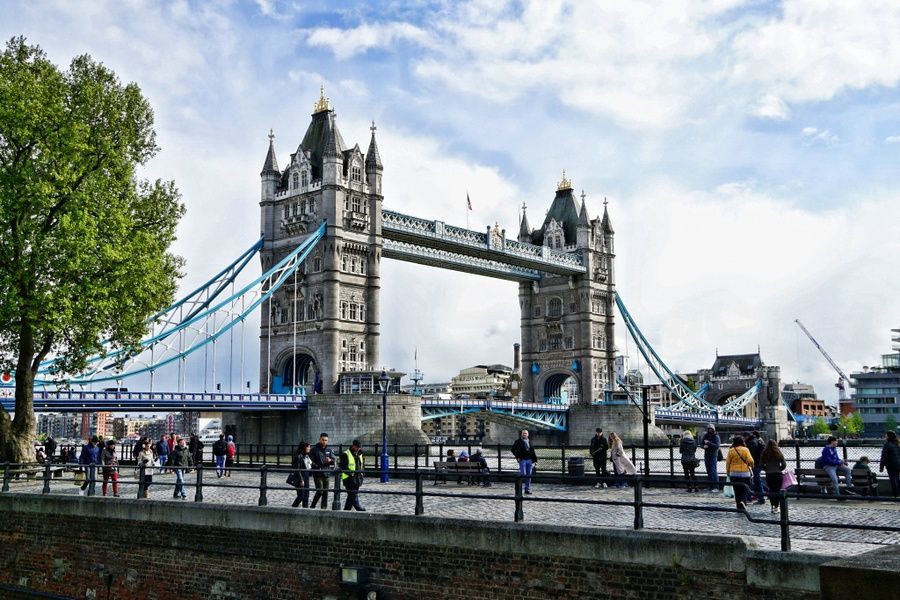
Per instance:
(623,419)
(344,418)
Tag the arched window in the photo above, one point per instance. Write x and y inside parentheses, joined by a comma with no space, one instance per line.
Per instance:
(296,181)
(355,173)
(304,179)
(554,309)
(317,264)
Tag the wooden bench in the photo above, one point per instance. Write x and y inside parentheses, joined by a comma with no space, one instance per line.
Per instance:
(56,471)
(461,469)
(818,481)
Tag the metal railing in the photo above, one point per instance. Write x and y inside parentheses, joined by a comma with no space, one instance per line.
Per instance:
(518,499)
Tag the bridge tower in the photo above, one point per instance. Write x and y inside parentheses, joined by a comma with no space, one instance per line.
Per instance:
(326,320)
(567,322)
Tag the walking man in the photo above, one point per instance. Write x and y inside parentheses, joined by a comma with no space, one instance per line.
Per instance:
(322,463)
(351,464)
(180,460)
(599,449)
(162,450)
(90,455)
(524,453)
(195,447)
(220,453)
(711,443)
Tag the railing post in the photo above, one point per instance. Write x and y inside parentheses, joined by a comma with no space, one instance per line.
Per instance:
(420,507)
(638,503)
(671,460)
(520,513)
(141,482)
(263,479)
(441,452)
(278,455)
(563,468)
(395,457)
(5,478)
(46,489)
(336,501)
(198,488)
(416,455)
(844,448)
(797,452)
(92,480)
(499,459)
(785,523)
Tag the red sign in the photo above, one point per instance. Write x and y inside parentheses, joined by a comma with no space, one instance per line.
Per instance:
(5,378)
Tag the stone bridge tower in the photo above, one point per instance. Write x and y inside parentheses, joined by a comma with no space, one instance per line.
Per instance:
(325,321)
(567,322)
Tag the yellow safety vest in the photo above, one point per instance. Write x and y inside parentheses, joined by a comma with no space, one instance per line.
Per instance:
(351,464)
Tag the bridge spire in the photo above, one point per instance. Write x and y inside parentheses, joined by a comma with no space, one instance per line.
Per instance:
(583,219)
(373,158)
(607,224)
(270,165)
(524,227)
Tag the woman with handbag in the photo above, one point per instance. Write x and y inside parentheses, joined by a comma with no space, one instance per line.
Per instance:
(773,463)
(739,466)
(689,462)
(299,478)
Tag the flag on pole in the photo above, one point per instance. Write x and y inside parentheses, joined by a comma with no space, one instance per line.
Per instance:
(468,201)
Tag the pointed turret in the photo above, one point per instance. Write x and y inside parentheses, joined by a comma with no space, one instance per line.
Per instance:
(333,147)
(606,224)
(271,163)
(583,239)
(583,219)
(270,174)
(524,227)
(374,168)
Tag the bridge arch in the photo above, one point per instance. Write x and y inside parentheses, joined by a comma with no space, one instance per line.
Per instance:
(296,371)
(553,384)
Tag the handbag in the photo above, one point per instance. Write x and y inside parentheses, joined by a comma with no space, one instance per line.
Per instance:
(719,456)
(294,479)
(728,489)
(788,479)
(79,477)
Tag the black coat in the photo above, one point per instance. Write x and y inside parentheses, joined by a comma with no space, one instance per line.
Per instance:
(318,456)
(521,453)
(890,456)
(599,447)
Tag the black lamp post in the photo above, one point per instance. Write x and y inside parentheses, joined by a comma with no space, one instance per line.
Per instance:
(383,382)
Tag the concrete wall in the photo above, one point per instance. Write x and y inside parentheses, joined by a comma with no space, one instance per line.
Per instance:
(623,419)
(155,550)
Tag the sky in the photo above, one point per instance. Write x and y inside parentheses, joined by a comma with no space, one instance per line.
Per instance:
(748,150)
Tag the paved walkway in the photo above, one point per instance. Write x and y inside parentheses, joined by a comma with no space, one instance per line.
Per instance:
(496,504)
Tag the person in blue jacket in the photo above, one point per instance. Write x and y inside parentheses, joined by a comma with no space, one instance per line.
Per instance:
(833,465)
(162,451)
(90,455)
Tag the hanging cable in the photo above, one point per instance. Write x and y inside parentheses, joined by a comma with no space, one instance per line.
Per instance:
(243,322)
(231,354)
(269,347)
(294,350)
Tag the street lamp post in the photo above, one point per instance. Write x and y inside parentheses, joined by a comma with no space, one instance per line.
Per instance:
(646,410)
(383,382)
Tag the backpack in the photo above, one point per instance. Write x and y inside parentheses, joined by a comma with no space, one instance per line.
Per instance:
(220,448)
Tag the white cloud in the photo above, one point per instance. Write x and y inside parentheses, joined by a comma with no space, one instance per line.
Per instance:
(814,49)
(770,106)
(813,135)
(892,139)
(345,43)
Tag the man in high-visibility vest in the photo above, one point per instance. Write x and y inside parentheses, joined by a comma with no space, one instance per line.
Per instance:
(351,463)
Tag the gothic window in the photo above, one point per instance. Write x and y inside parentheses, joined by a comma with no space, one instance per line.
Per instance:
(573,305)
(356,204)
(301,310)
(354,262)
(344,310)
(317,264)
(353,311)
(304,179)
(295,180)
(351,356)
(537,311)
(344,262)
(294,209)
(554,342)
(570,342)
(543,345)
(287,211)
(355,173)
(362,265)
(346,203)
(554,309)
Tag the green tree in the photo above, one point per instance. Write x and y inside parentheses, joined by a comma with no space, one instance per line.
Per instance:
(855,424)
(819,427)
(84,244)
(890,423)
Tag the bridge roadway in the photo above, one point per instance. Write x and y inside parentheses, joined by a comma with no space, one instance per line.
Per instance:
(540,508)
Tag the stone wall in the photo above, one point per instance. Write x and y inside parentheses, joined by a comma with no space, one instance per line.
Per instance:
(129,549)
(623,419)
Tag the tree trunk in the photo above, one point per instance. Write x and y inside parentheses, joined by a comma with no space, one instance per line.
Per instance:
(17,435)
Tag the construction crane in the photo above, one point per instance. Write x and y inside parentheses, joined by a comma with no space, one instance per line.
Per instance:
(842,377)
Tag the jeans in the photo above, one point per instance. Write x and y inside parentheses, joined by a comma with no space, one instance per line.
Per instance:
(774,480)
(302,491)
(352,495)
(220,465)
(742,492)
(759,486)
(600,466)
(162,462)
(833,471)
(109,474)
(321,481)
(179,483)
(690,474)
(894,478)
(526,466)
(712,470)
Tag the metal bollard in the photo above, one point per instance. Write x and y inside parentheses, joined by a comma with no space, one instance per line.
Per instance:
(638,504)
(46,489)
(520,513)
(784,523)
(263,478)
(336,501)
(5,478)
(92,480)
(198,488)
(420,507)
(141,481)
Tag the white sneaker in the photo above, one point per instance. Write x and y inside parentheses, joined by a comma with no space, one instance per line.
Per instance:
(596,485)
(81,492)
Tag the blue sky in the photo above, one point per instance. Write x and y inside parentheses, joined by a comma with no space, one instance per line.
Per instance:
(748,149)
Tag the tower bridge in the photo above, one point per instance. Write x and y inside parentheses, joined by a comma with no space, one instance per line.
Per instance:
(324,233)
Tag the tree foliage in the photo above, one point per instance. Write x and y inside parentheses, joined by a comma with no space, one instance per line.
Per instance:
(84,244)
(890,423)
(820,427)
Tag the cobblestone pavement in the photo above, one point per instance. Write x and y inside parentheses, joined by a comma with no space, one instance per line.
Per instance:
(496,504)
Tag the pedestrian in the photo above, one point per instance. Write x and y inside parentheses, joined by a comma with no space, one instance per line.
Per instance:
(171,441)
(39,455)
(621,464)
(688,450)
(195,447)
(302,465)
(323,463)
(599,449)
(524,453)
(890,461)
(772,462)
(50,446)
(220,452)
(230,452)
(136,448)
(90,455)
(351,464)
(145,459)
(712,454)
(756,445)
(451,458)
(739,466)
(834,465)
(179,461)
(485,470)
(871,485)
(162,451)
(110,467)
(463,458)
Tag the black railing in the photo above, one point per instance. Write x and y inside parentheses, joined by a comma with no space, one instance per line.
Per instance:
(518,499)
